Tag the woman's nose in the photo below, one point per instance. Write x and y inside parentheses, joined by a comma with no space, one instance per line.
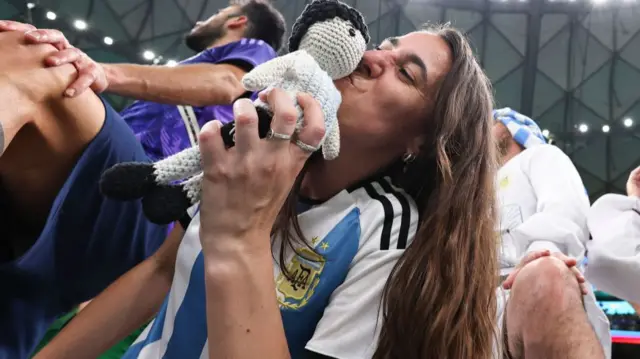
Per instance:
(377,61)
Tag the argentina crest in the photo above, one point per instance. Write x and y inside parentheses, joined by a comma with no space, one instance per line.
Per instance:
(304,269)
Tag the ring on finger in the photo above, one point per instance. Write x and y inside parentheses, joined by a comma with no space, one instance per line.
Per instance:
(277,136)
(305,147)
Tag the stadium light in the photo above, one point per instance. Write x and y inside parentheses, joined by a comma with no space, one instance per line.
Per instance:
(148,55)
(80,25)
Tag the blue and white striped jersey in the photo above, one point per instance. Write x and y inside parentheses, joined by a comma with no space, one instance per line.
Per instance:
(331,306)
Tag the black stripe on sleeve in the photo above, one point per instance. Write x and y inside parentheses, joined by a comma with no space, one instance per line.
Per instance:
(385,238)
(403,235)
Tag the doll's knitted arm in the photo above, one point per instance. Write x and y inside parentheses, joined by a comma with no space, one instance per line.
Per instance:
(331,146)
(268,73)
(183,164)
(313,80)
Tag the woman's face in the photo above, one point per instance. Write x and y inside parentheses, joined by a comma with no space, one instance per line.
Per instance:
(387,99)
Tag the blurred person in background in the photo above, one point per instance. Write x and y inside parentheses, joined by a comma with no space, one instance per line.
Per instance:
(543,207)
(614,251)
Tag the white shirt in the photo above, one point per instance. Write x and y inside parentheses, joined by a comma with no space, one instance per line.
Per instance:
(614,251)
(543,205)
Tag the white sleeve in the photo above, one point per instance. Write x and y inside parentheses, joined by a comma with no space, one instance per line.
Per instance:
(614,251)
(350,325)
(560,221)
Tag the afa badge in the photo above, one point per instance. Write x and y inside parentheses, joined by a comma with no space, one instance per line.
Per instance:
(305,270)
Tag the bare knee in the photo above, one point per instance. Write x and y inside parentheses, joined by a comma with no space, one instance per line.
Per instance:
(545,289)
(545,280)
(19,56)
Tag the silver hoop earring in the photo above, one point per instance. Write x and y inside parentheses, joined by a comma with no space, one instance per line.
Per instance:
(408,157)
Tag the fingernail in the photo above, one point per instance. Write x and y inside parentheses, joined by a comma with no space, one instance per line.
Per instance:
(240,107)
(265,92)
(70,92)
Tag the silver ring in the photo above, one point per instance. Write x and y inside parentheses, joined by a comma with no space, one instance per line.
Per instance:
(305,147)
(278,136)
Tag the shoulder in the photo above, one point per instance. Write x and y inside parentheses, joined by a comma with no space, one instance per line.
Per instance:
(545,158)
(544,150)
(388,215)
(256,50)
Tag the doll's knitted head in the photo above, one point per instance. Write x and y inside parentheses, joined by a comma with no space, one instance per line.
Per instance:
(334,33)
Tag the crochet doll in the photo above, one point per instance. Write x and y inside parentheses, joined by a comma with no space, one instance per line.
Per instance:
(328,42)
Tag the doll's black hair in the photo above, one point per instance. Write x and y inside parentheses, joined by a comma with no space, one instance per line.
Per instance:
(321,10)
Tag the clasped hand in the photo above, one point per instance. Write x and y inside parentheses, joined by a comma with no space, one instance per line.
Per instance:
(571,264)
(244,187)
(90,74)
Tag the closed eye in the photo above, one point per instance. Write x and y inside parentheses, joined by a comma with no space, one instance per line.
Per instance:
(406,75)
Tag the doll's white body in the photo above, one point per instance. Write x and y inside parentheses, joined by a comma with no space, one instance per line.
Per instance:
(295,73)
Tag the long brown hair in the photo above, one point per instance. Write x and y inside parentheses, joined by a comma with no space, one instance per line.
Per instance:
(440,299)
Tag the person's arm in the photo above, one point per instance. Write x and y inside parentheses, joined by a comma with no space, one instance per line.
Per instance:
(122,308)
(560,221)
(241,301)
(200,84)
(614,252)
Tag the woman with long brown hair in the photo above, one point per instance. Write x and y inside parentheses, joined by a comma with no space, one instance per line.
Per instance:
(388,251)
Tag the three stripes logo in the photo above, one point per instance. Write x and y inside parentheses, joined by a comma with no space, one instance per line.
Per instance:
(388,193)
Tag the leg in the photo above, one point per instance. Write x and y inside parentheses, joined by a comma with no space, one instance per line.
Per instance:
(168,203)
(50,172)
(545,317)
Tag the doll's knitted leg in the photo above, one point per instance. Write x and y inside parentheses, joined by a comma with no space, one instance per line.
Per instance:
(168,203)
(132,180)
(183,164)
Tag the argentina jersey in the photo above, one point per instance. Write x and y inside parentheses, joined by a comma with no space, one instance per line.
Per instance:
(330,304)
